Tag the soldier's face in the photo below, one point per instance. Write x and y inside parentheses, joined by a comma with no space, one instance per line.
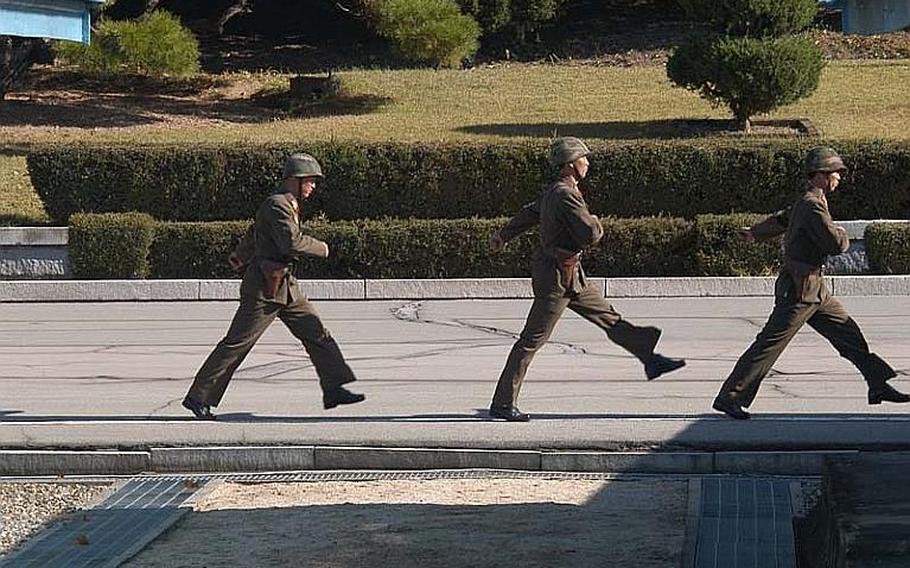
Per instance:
(307,187)
(581,166)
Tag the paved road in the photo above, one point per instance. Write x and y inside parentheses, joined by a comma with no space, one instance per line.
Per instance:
(113,375)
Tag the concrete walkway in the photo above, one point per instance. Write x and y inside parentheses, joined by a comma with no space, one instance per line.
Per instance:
(112,376)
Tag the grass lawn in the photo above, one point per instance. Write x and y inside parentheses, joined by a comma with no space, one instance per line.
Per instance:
(856,99)
(19,204)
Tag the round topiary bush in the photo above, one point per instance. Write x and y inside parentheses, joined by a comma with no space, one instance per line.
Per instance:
(751,76)
(429,31)
(756,65)
(753,18)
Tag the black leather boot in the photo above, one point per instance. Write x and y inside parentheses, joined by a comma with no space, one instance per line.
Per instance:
(340,395)
(509,413)
(658,364)
(202,411)
(731,408)
(887,393)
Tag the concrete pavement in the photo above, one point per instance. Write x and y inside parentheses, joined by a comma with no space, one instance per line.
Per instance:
(112,376)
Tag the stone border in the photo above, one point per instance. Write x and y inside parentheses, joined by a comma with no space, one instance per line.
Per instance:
(431,289)
(297,458)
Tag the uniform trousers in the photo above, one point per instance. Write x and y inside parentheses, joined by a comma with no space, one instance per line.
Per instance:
(830,319)
(545,312)
(249,323)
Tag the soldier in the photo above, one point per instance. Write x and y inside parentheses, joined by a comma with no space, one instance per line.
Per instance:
(801,294)
(566,228)
(269,289)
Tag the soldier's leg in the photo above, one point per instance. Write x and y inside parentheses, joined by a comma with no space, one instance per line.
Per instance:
(639,341)
(249,323)
(783,323)
(834,323)
(303,321)
(542,318)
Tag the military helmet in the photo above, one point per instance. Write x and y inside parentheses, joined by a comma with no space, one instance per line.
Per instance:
(822,159)
(302,165)
(566,149)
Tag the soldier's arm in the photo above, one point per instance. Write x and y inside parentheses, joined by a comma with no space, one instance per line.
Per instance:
(286,232)
(585,228)
(828,237)
(528,217)
(244,251)
(772,227)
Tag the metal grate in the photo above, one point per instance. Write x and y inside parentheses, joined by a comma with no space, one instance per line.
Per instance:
(744,523)
(113,531)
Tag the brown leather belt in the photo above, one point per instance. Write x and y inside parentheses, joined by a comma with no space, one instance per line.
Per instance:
(567,262)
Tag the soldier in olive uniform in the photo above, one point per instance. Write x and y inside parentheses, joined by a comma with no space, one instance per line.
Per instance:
(566,228)
(269,289)
(801,295)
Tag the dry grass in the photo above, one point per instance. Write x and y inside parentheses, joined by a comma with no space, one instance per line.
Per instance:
(19,204)
(864,99)
(856,100)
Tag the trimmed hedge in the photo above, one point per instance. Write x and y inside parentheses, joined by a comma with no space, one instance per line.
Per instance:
(718,251)
(888,247)
(110,245)
(454,181)
(662,246)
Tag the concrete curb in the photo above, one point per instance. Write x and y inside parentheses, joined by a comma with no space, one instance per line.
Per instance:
(297,458)
(429,289)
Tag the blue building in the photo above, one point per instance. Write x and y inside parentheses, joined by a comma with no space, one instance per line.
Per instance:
(867,17)
(56,19)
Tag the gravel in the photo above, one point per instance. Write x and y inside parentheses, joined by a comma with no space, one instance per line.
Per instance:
(26,508)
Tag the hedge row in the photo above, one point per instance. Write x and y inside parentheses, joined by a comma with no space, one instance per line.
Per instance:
(660,246)
(888,248)
(454,181)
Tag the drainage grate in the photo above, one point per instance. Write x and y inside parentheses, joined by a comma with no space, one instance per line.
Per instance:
(116,529)
(379,475)
(744,522)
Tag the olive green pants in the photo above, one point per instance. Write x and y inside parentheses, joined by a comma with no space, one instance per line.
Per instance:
(250,322)
(545,312)
(830,319)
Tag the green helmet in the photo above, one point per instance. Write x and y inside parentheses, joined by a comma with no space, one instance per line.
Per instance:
(566,149)
(822,159)
(302,165)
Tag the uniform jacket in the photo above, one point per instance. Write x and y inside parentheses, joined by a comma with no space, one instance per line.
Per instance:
(566,227)
(277,239)
(809,236)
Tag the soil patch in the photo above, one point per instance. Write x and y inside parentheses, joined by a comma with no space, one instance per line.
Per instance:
(492,522)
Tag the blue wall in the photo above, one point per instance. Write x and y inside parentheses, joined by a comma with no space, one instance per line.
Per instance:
(56,19)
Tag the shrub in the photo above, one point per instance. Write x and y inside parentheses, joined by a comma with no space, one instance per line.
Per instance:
(753,18)
(751,76)
(194,250)
(511,20)
(756,67)
(203,183)
(156,44)
(110,245)
(390,248)
(652,246)
(888,247)
(430,31)
(718,251)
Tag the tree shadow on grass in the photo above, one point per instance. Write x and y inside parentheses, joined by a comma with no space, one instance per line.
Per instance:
(615,130)
(669,129)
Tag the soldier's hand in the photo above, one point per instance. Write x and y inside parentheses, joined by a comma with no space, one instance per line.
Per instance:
(325,252)
(496,242)
(236,263)
(746,234)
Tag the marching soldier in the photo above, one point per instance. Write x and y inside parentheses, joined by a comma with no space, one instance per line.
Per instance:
(269,289)
(566,227)
(801,295)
